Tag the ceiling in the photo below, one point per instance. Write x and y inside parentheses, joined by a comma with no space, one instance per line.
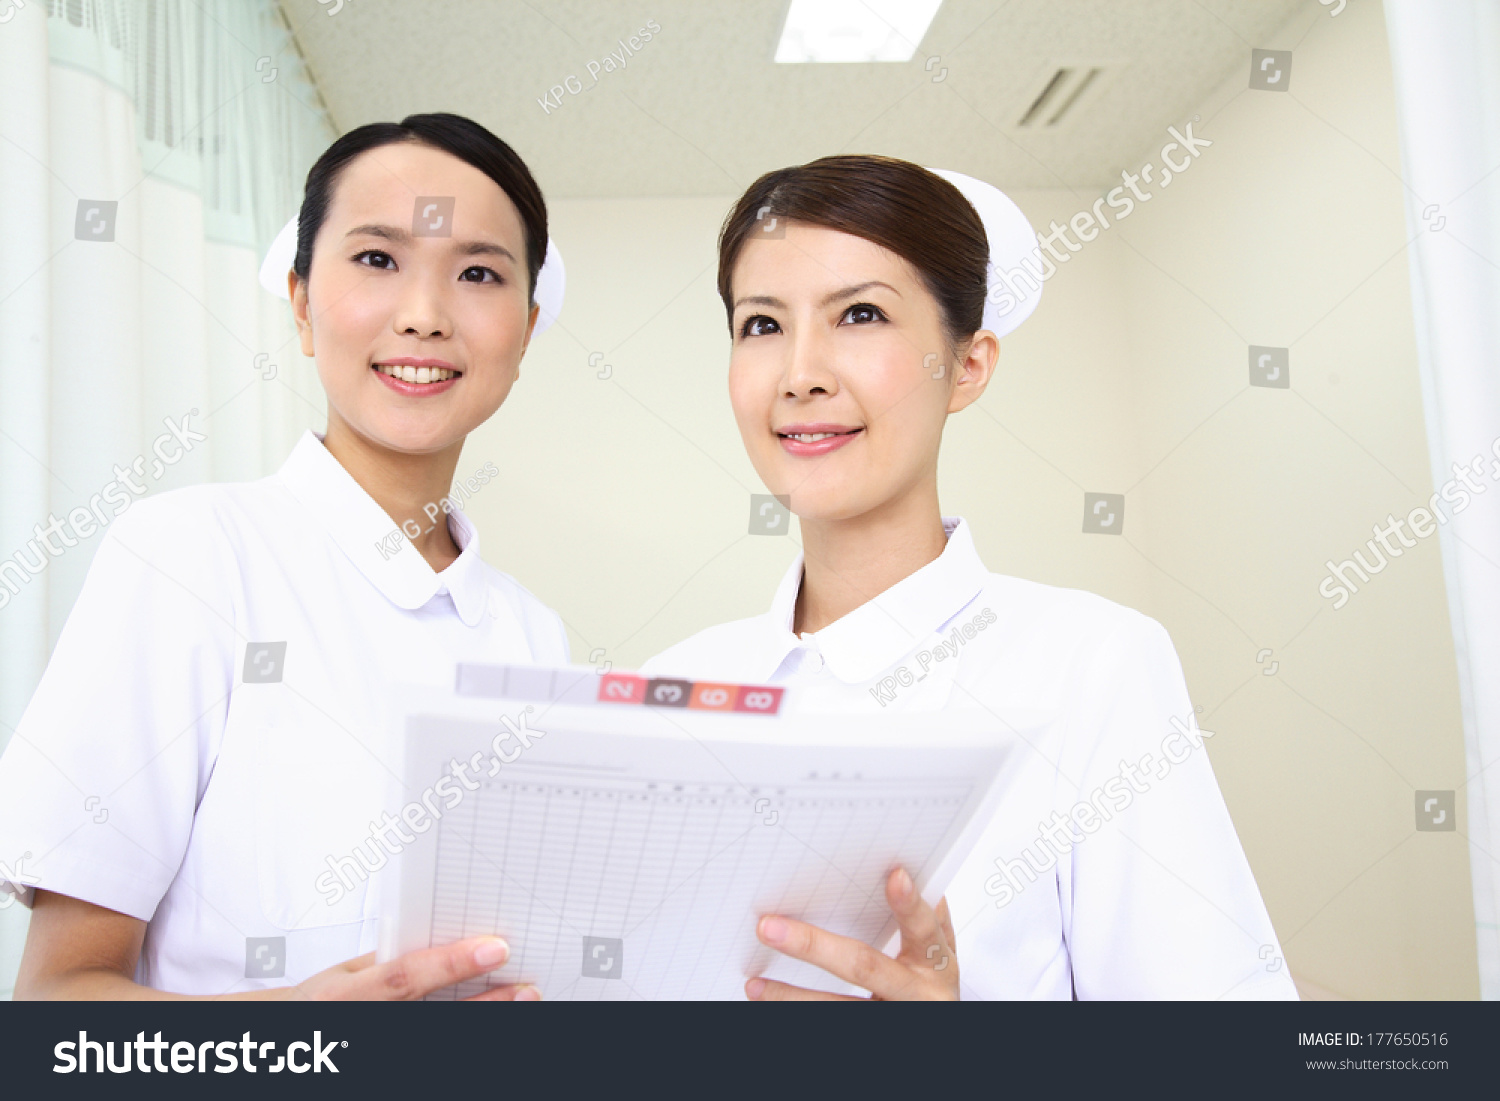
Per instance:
(701,109)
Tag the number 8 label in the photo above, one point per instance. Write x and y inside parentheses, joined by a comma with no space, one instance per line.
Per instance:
(764,701)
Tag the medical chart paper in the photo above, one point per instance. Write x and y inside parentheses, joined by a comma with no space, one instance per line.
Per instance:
(625,834)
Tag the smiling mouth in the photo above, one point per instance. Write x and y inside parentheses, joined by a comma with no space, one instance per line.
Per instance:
(814,437)
(815,441)
(418,375)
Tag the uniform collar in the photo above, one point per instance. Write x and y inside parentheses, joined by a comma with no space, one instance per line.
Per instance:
(878,633)
(362,529)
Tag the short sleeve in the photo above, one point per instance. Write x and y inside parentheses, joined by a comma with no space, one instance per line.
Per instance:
(1161,902)
(100,781)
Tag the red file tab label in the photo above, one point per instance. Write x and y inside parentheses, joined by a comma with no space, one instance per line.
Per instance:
(699,696)
(621,688)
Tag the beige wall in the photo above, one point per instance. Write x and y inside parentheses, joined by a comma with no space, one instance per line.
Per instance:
(624,501)
(1290,232)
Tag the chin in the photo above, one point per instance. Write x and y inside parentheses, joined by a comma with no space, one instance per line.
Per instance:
(416,439)
(819,506)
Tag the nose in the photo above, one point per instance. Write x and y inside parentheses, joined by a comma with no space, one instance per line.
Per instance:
(423,309)
(806,370)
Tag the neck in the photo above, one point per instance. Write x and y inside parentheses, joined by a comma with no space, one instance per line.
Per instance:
(847,563)
(407,487)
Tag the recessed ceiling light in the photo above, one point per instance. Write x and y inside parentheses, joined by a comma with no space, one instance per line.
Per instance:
(854,30)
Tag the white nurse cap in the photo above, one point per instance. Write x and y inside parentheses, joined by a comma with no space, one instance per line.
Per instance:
(1011,240)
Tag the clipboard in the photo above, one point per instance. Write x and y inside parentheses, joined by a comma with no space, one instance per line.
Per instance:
(625,833)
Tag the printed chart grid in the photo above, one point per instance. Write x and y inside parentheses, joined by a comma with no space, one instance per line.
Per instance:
(667,880)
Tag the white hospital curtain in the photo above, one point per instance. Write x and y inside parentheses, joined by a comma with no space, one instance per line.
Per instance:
(149,151)
(1446,59)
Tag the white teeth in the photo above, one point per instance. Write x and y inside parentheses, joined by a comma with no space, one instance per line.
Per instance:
(812,437)
(416,374)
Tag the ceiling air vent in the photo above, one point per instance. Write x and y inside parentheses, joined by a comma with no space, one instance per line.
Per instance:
(1059,92)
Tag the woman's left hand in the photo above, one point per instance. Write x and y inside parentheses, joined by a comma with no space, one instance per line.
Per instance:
(926,968)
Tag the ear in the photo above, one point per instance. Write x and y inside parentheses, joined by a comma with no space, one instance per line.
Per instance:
(536,312)
(975,369)
(301,313)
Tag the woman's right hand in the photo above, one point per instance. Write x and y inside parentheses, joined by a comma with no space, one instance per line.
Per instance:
(76,950)
(415,975)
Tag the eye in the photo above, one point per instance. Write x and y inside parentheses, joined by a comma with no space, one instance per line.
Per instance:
(862,313)
(482,273)
(385,256)
(759,325)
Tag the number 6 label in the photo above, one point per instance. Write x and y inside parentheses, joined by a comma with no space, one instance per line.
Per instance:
(714,697)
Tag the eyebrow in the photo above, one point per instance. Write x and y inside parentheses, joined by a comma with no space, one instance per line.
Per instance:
(403,237)
(828,299)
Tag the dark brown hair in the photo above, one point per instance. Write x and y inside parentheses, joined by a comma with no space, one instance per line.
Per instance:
(900,206)
(464,139)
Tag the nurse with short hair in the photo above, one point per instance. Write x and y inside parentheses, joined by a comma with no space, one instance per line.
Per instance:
(866,297)
(198,783)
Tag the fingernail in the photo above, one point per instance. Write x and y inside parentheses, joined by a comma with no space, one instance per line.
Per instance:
(903,882)
(773,929)
(755,988)
(492,953)
(528,994)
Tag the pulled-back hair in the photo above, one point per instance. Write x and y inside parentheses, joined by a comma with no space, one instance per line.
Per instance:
(466,140)
(900,206)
